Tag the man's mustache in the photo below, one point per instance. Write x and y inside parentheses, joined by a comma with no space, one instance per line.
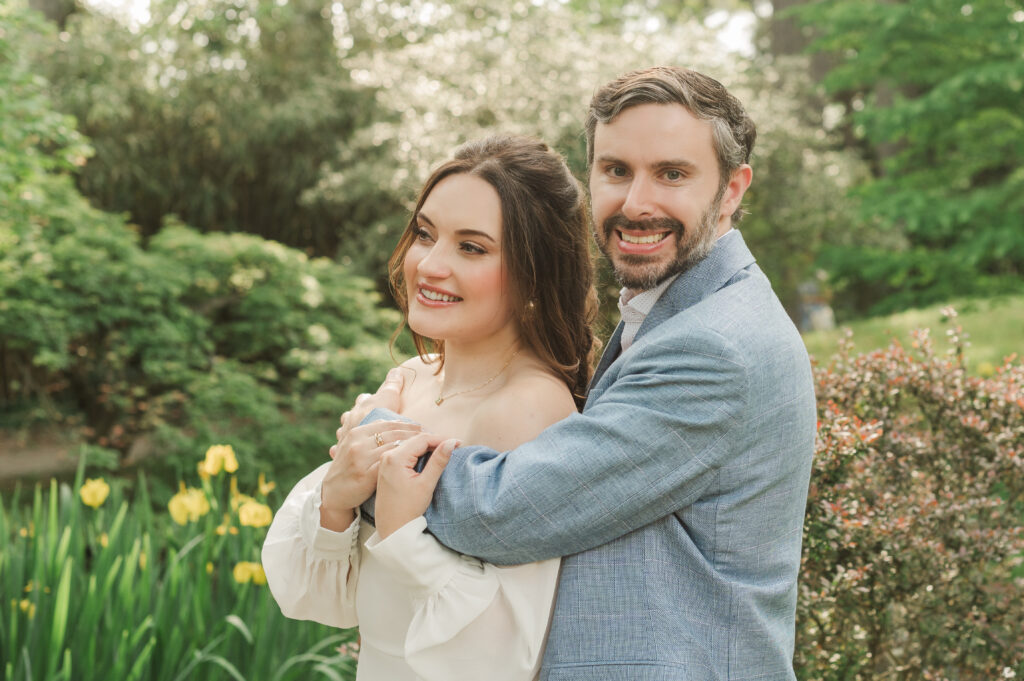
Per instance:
(619,221)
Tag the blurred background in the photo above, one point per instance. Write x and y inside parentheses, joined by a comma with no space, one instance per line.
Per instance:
(199,196)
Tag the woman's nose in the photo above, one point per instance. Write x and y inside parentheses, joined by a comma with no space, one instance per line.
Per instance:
(435,264)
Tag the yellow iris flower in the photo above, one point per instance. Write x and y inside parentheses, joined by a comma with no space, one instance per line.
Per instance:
(264,486)
(218,458)
(94,492)
(254,514)
(188,505)
(246,572)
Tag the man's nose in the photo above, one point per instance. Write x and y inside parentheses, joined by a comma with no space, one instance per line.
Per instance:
(639,203)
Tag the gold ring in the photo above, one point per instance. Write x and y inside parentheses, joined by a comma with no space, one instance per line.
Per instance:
(378,439)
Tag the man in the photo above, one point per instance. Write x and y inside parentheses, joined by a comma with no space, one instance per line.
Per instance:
(677,496)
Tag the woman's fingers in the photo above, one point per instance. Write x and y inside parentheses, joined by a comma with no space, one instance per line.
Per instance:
(404,452)
(437,461)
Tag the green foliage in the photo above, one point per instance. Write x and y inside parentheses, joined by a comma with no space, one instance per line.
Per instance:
(197,337)
(221,113)
(913,539)
(120,591)
(293,340)
(934,91)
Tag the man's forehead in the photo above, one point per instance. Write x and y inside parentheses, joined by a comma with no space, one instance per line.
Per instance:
(664,130)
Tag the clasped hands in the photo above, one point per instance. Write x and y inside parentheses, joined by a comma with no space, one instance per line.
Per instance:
(381,457)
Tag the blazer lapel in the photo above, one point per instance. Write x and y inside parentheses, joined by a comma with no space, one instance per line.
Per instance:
(611,351)
(729,256)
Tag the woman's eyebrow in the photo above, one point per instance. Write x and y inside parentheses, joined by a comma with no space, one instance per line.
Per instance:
(460,232)
(477,233)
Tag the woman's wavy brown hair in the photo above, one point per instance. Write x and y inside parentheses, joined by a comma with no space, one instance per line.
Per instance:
(545,246)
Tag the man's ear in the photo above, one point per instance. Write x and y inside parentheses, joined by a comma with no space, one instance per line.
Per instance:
(735,190)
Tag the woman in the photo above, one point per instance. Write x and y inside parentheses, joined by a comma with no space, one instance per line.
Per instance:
(493,274)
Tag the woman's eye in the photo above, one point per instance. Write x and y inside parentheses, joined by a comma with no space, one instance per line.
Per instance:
(472,248)
(421,234)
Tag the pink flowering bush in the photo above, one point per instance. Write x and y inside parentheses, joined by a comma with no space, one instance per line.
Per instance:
(913,538)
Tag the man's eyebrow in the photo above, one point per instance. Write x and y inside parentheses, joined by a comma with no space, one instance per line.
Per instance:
(607,158)
(681,163)
(461,232)
(675,163)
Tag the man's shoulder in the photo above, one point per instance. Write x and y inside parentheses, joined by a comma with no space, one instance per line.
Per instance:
(744,317)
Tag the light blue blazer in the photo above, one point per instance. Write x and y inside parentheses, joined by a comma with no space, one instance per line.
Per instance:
(677,497)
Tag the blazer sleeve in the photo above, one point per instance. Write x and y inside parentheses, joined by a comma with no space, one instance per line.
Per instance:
(312,572)
(646,446)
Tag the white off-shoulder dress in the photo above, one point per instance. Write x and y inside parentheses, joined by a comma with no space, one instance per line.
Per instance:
(425,613)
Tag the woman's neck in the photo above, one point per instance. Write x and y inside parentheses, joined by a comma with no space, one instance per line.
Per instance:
(468,367)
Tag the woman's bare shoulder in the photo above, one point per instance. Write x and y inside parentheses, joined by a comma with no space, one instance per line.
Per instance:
(417,366)
(529,402)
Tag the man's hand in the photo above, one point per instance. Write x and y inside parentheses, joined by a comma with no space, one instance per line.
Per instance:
(402,493)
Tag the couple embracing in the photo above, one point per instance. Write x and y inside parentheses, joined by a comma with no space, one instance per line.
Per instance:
(643,523)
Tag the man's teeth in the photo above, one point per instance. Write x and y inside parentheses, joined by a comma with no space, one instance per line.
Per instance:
(649,239)
(441,297)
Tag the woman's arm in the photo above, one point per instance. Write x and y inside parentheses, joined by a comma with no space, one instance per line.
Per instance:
(312,572)
(472,620)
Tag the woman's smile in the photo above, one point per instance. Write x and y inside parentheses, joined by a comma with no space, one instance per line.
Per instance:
(435,297)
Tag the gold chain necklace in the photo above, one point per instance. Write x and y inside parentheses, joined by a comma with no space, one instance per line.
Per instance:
(442,397)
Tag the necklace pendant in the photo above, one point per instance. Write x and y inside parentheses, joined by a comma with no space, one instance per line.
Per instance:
(439,400)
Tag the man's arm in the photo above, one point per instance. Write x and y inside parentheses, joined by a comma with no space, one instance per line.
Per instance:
(648,446)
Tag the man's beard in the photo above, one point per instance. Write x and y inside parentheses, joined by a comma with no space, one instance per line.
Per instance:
(636,272)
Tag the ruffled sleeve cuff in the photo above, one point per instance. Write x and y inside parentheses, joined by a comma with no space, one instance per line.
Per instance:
(325,544)
(417,561)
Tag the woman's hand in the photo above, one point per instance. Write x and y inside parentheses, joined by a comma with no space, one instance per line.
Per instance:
(402,493)
(352,475)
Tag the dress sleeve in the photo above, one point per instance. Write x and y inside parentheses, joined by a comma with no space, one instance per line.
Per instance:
(312,572)
(472,620)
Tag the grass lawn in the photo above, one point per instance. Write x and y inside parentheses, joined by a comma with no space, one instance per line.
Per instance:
(994,328)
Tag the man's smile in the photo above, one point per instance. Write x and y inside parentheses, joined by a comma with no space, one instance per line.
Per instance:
(638,242)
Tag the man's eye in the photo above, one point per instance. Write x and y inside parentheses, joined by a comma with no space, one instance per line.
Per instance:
(617,171)
(673,175)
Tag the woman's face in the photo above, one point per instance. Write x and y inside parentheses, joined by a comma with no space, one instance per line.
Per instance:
(454,269)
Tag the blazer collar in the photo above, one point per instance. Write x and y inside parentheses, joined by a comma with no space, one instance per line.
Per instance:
(729,255)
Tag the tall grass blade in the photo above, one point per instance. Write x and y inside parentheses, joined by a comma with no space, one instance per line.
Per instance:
(61,606)
(237,623)
(329,672)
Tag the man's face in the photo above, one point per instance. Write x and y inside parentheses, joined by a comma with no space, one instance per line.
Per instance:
(655,193)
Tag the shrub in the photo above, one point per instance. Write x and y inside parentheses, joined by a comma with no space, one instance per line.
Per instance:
(913,539)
